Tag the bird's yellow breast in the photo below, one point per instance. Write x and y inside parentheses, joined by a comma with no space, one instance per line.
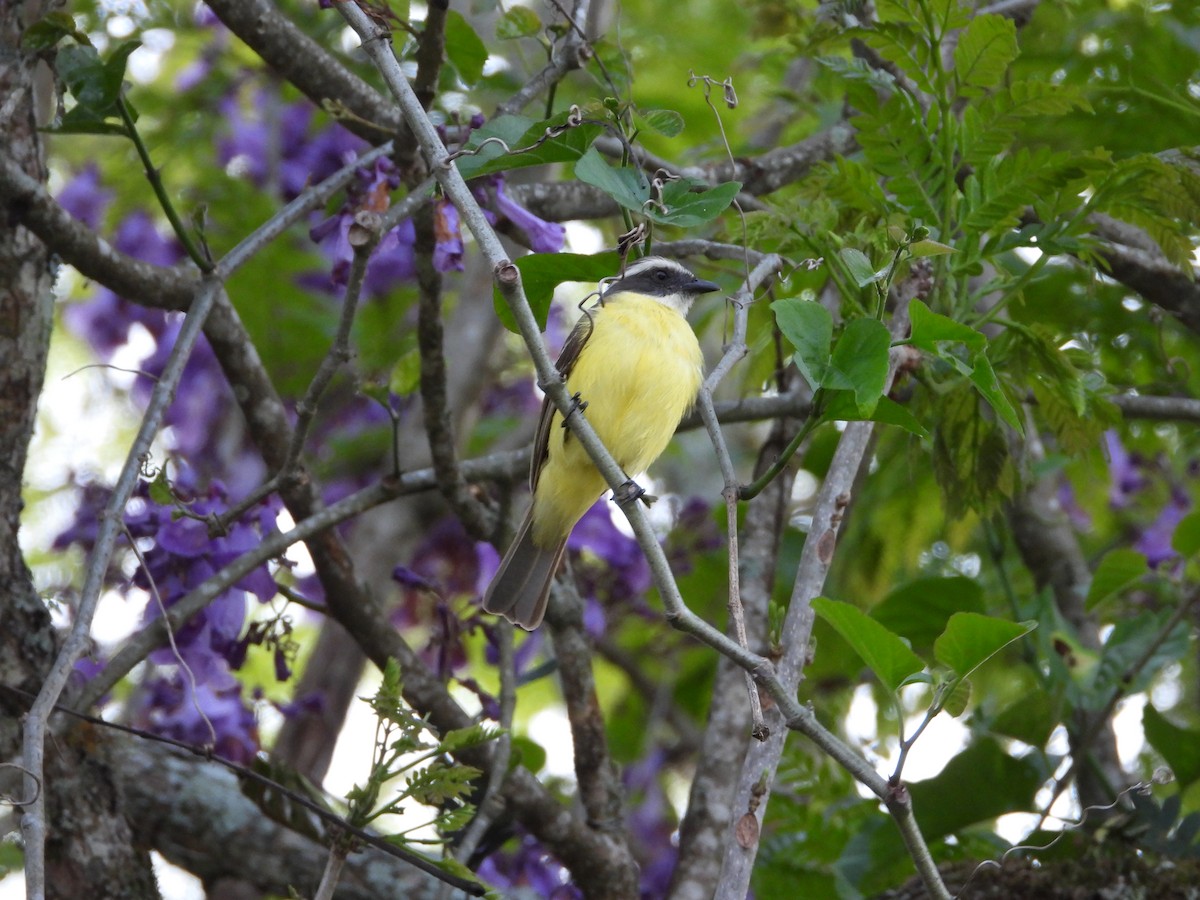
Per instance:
(638,373)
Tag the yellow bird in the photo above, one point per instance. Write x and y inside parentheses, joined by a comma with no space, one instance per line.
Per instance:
(635,366)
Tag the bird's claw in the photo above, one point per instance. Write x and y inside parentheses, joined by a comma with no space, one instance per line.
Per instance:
(577,405)
(631,491)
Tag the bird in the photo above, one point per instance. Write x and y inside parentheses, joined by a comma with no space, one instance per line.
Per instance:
(633,366)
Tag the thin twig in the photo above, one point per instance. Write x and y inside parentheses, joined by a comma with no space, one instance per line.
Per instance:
(599,784)
(337,355)
(735,350)
(333,871)
(202,260)
(762,758)
(492,803)
(439,426)
(33,821)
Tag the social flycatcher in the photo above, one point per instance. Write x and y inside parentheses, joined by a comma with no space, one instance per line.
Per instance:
(635,366)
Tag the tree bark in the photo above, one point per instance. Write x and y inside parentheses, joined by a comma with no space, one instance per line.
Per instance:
(89,849)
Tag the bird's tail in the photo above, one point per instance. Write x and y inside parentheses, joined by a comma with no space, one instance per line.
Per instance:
(522,584)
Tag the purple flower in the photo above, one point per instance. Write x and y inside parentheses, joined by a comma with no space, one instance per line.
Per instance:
(614,570)
(448,249)
(105,320)
(269,146)
(544,237)
(1125,472)
(651,823)
(1155,540)
(213,715)
(532,868)
(84,198)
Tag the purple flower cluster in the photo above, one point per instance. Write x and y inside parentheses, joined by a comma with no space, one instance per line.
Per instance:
(651,823)
(277,147)
(1136,489)
(532,868)
(178,551)
(213,714)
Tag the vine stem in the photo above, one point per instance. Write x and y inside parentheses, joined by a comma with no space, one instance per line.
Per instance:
(203,262)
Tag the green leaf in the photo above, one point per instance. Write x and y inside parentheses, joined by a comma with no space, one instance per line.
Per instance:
(808,326)
(666,122)
(518,133)
(920,609)
(955,703)
(1186,539)
(985,49)
(1180,747)
(464,738)
(437,783)
(983,376)
(50,29)
(1117,570)
(541,273)
(688,208)
(95,85)
(977,785)
(455,867)
(970,639)
(628,187)
(406,373)
(859,266)
(888,412)
(842,407)
(884,652)
(679,204)
(518,22)
(528,753)
(464,49)
(860,362)
(930,329)
(160,488)
(1032,719)
(927,247)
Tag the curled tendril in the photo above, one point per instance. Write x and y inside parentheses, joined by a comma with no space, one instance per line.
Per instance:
(726,86)
(574,120)
(13,801)
(1142,788)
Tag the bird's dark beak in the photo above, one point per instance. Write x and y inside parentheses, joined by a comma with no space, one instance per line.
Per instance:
(700,286)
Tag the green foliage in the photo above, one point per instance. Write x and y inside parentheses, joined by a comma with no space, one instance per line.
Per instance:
(516,142)
(1116,571)
(1180,747)
(541,273)
(971,639)
(982,157)
(96,86)
(674,203)
(464,49)
(884,653)
(517,22)
(403,749)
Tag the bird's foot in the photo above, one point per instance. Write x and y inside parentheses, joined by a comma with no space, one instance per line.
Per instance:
(631,491)
(578,405)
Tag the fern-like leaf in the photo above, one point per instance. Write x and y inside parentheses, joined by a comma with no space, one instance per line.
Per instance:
(990,124)
(986,48)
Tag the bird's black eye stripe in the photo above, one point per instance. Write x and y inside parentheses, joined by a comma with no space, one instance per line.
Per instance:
(661,274)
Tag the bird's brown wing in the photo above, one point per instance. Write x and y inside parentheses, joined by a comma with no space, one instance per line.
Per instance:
(566,362)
